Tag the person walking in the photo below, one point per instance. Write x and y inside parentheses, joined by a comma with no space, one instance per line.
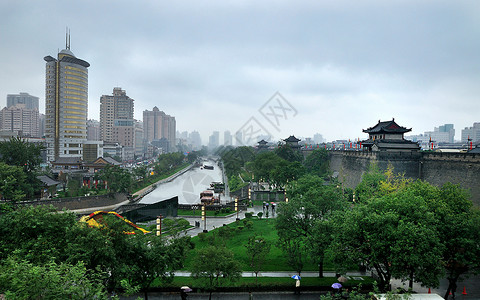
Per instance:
(297,287)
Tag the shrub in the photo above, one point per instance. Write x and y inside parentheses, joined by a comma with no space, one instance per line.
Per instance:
(248,215)
(202,236)
(183,223)
(249,225)
(260,214)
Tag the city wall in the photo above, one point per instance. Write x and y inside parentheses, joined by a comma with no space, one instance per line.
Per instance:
(80,202)
(435,168)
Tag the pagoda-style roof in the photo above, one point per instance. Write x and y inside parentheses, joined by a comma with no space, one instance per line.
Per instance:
(103,161)
(262,142)
(387,127)
(292,139)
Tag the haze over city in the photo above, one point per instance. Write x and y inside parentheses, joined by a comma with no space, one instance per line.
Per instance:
(342,66)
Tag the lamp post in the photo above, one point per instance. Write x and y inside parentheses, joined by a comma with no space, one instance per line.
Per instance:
(159,225)
(236,208)
(204,218)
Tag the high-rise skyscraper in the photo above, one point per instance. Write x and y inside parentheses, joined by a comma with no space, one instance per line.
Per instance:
(227,138)
(117,106)
(66,104)
(158,125)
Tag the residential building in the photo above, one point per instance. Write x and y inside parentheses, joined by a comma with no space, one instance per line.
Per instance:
(93,130)
(29,101)
(117,106)
(20,120)
(472,133)
(214,140)
(66,103)
(195,140)
(139,140)
(158,125)
(442,134)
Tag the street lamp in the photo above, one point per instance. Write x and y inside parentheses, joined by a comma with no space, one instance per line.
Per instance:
(204,218)
(236,208)
(159,225)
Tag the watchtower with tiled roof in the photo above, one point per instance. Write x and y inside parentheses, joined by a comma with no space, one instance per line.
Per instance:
(388,136)
(292,141)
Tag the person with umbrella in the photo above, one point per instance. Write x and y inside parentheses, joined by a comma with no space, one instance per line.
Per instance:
(297,284)
(183,292)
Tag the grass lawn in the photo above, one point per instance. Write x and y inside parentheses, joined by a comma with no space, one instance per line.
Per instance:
(276,260)
(268,282)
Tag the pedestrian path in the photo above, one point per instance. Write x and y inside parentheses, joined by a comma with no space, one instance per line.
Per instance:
(216,222)
(283,274)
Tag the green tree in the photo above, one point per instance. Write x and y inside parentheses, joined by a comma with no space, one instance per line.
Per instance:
(37,233)
(20,279)
(458,226)
(264,164)
(18,152)
(258,249)
(12,182)
(215,265)
(286,172)
(317,163)
(395,235)
(117,179)
(288,153)
(302,222)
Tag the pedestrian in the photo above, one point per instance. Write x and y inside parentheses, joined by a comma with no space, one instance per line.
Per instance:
(274,205)
(183,295)
(297,287)
(250,296)
(263,206)
(266,206)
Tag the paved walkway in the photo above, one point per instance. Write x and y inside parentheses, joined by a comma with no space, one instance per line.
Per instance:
(216,222)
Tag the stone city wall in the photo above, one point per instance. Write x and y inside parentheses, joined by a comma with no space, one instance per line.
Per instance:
(435,168)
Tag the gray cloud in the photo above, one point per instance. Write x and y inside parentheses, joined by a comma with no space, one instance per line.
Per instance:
(343,64)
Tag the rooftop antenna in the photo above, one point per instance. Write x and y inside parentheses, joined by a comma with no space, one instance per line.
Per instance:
(67,39)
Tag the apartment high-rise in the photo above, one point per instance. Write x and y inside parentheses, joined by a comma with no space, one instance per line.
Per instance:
(30,102)
(117,106)
(20,120)
(158,125)
(66,104)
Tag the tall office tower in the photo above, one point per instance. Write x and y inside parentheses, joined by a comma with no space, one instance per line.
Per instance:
(239,138)
(66,104)
(20,121)
(227,138)
(158,125)
(93,130)
(30,102)
(195,139)
(139,140)
(318,138)
(117,106)
(214,140)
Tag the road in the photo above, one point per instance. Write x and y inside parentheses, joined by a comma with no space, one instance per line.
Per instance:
(187,186)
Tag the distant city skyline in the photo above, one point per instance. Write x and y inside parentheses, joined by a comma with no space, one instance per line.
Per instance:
(215,65)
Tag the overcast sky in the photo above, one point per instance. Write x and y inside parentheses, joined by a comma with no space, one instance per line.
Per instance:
(338,66)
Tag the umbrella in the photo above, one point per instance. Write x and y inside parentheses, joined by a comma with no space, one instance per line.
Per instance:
(186,289)
(342,279)
(336,285)
(296,277)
